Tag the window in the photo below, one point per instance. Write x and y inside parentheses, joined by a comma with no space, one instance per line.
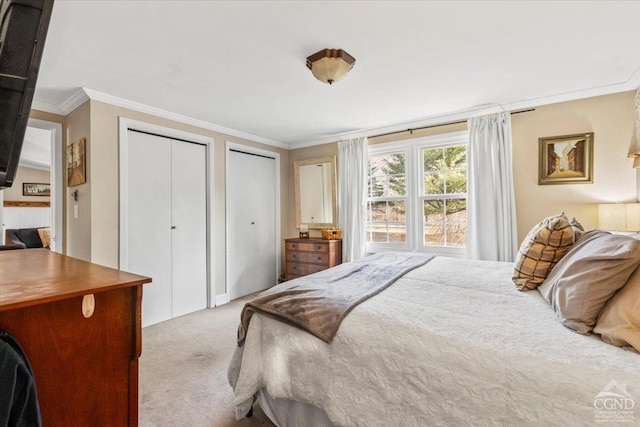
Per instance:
(444,196)
(387,206)
(417,197)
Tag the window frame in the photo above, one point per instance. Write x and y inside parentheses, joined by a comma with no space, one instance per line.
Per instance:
(414,192)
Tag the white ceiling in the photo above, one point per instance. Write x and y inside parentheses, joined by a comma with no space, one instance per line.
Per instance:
(241,65)
(36,149)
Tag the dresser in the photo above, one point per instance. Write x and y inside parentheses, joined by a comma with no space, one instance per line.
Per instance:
(79,325)
(307,256)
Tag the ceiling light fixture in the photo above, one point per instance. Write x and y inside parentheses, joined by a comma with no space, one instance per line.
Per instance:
(330,65)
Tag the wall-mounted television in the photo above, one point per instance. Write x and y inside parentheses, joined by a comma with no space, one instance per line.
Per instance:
(23,29)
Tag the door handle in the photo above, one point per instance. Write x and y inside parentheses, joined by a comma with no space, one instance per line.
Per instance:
(252,222)
(173,227)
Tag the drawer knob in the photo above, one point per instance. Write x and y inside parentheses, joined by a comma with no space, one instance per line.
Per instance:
(294,246)
(319,258)
(293,256)
(318,247)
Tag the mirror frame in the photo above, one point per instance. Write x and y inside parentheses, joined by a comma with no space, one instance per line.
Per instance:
(296,172)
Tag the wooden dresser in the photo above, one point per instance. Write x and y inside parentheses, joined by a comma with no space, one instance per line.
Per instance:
(85,368)
(307,256)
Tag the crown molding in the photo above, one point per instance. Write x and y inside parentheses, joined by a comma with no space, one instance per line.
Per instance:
(158,112)
(631,84)
(634,80)
(78,98)
(82,95)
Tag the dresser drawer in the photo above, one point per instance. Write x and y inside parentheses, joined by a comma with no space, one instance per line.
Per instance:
(297,269)
(307,246)
(308,257)
(314,268)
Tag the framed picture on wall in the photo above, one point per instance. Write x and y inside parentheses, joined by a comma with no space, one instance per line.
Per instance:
(566,159)
(76,163)
(36,189)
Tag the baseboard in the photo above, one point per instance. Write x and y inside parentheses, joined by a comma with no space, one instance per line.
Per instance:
(222,299)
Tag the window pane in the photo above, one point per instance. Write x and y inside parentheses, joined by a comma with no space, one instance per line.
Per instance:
(397,212)
(377,232)
(456,222)
(457,234)
(397,233)
(456,181)
(434,210)
(456,210)
(433,159)
(378,165)
(434,234)
(434,183)
(377,211)
(456,157)
(387,164)
(395,163)
(377,186)
(397,186)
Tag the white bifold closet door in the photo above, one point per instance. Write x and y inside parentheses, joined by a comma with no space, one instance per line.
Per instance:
(251,222)
(166,224)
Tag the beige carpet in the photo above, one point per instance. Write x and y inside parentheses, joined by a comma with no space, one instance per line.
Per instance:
(183,371)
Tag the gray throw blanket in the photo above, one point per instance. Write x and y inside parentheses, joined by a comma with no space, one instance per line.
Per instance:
(318,303)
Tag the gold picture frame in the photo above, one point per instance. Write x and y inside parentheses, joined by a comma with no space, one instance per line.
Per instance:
(76,163)
(566,159)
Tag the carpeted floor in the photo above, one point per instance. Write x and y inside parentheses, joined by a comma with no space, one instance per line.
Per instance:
(183,371)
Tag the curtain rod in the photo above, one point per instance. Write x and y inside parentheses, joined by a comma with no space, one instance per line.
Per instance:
(438,125)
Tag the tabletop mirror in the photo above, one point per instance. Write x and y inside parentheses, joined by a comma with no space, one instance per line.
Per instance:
(315,188)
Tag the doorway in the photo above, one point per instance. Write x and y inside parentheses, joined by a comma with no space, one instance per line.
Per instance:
(42,151)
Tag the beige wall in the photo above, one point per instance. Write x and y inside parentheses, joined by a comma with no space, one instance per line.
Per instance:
(24,174)
(78,233)
(105,194)
(610,117)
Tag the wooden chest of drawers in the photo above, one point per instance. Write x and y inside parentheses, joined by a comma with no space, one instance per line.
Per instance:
(307,256)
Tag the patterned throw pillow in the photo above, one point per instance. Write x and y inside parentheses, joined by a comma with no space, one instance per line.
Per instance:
(543,247)
(578,229)
(45,236)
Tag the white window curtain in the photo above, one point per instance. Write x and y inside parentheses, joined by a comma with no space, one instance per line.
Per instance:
(352,196)
(491,219)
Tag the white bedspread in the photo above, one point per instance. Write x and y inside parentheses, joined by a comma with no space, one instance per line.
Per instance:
(451,343)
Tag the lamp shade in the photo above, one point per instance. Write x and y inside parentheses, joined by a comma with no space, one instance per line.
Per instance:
(619,216)
(330,65)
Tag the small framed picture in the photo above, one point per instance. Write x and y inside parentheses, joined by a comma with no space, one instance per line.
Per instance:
(36,189)
(566,159)
(76,163)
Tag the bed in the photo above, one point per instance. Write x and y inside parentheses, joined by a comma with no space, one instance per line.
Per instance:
(452,342)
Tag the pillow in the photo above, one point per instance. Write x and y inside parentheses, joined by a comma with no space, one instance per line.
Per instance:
(580,284)
(543,247)
(30,237)
(45,236)
(619,320)
(578,229)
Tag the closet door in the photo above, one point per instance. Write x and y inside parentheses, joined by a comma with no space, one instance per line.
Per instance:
(166,224)
(149,221)
(264,196)
(251,238)
(188,228)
